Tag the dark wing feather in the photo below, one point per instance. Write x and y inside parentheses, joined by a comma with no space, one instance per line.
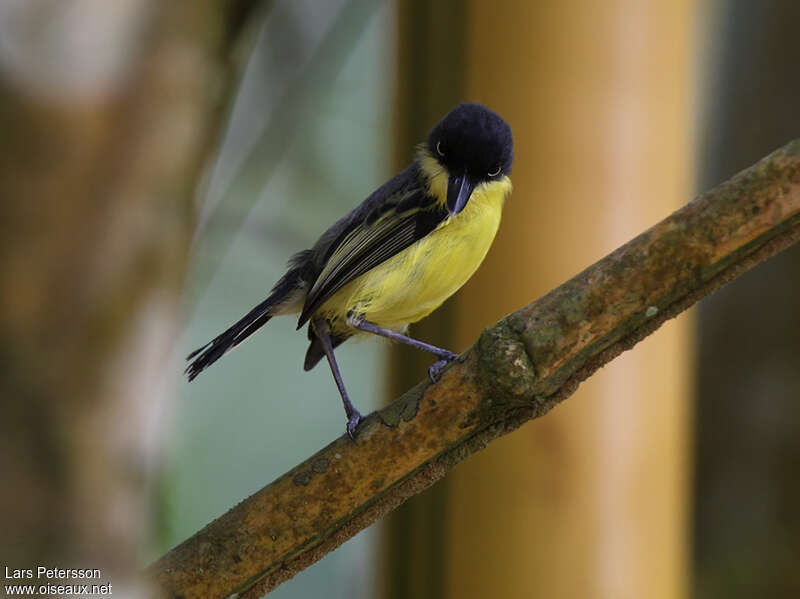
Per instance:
(391,226)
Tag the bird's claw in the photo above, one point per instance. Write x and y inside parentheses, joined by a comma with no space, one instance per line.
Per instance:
(435,371)
(353,421)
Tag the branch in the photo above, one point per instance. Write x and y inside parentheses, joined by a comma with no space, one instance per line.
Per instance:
(518,370)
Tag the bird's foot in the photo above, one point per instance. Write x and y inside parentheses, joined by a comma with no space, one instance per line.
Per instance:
(353,420)
(435,371)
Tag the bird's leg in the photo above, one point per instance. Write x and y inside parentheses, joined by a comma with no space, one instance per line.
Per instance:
(353,415)
(445,357)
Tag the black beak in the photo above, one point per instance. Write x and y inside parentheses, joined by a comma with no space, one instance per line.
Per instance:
(459,188)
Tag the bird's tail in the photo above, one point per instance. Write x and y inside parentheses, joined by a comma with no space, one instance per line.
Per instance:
(282,293)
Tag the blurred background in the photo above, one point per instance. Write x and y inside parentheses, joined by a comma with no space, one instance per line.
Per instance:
(159,166)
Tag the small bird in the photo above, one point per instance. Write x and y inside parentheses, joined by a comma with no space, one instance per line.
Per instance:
(399,255)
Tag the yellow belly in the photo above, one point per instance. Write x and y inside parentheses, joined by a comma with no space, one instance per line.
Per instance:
(412,284)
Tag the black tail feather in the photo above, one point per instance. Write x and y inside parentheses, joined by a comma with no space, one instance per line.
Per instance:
(315,352)
(212,351)
(215,349)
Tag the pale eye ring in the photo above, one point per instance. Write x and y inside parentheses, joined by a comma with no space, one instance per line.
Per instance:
(439,148)
(496,172)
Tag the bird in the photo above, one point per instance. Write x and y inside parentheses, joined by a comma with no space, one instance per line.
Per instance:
(398,255)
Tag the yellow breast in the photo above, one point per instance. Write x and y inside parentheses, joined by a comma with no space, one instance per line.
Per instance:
(416,281)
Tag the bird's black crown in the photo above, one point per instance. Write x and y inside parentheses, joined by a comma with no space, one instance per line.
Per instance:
(473,139)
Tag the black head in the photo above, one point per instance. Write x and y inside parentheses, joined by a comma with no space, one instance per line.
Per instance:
(474,140)
(474,145)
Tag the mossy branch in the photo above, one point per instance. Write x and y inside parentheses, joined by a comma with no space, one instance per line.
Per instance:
(517,370)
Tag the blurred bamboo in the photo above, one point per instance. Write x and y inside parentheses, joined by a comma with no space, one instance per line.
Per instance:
(108,111)
(592,501)
(747,527)
(430,64)
(519,369)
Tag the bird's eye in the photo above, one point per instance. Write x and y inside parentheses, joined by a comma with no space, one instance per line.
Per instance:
(496,172)
(439,148)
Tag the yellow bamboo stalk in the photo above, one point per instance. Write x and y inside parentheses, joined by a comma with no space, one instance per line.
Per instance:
(591,501)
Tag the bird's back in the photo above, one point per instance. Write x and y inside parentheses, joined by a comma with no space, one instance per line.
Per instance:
(387,194)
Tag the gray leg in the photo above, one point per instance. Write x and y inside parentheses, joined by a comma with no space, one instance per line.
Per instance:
(358,322)
(353,415)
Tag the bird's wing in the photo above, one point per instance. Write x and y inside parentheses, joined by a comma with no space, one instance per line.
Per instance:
(390,227)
